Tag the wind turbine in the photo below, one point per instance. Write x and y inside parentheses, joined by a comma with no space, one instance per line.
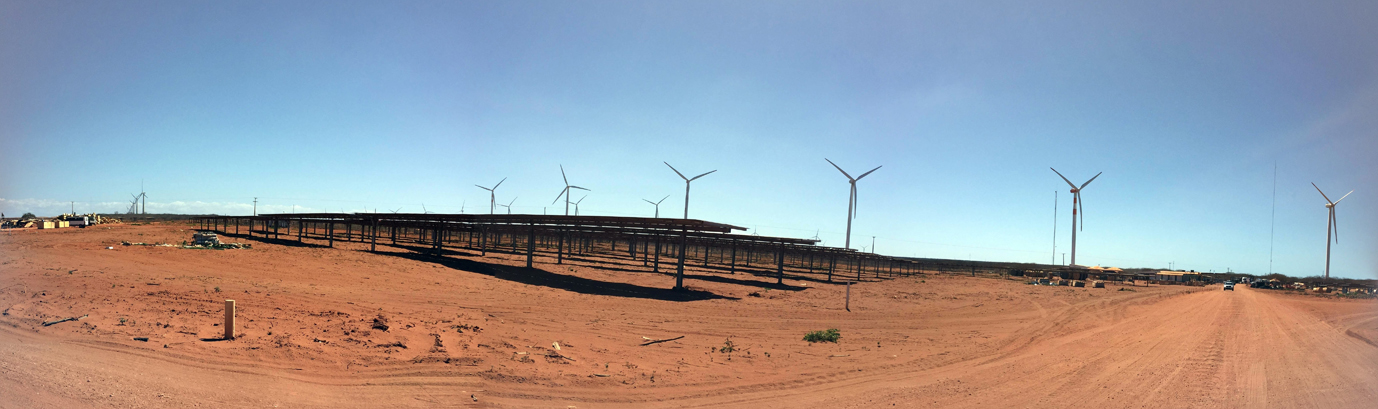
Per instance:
(493,196)
(1330,225)
(851,201)
(686,186)
(576,204)
(423,209)
(565,192)
(1076,204)
(508,205)
(657,204)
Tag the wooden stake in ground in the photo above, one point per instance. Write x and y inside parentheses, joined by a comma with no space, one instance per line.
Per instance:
(229,319)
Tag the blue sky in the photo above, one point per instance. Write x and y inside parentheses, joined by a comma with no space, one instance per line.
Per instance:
(339,106)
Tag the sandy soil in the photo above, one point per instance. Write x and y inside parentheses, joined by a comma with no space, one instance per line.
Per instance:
(480,331)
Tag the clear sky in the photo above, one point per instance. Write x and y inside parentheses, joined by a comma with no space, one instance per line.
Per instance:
(342,106)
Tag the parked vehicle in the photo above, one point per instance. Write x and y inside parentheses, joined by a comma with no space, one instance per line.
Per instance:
(1229,286)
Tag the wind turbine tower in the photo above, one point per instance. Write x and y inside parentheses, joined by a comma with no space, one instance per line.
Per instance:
(492,196)
(1331,225)
(686,185)
(657,204)
(565,191)
(508,205)
(1076,204)
(576,204)
(851,199)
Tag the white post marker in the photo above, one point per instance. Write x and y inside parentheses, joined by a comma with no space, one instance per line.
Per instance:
(229,319)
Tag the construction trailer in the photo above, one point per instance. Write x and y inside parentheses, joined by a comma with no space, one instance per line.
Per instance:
(1177,277)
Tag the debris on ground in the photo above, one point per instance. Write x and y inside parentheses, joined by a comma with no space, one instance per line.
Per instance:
(64,320)
(657,341)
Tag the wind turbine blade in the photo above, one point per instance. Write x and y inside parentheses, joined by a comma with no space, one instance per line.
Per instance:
(562,175)
(1064,178)
(663,199)
(484,188)
(681,175)
(514,200)
(495,187)
(699,176)
(1081,206)
(839,169)
(580,188)
(581,199)
(853,200)
(562,193)
(1083,185)
(648,201)
(1318,189)
(1343,197)
(867,173)
(1335,224)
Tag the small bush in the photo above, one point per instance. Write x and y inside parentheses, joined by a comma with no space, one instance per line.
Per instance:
(831,335)
(728,347)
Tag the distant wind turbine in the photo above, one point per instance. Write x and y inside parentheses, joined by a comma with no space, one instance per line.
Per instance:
(851,201)
(576,204)
(686,185)
(565,191)
(1076,204)
(493,196)
(657,204)
(1331,224)
(509,205)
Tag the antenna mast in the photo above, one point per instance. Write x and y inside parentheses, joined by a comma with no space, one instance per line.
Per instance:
(1272,221)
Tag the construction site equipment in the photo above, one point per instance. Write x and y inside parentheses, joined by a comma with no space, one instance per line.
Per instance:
(205,239)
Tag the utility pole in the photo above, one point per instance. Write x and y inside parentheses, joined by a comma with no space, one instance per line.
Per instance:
(1054,260)
(255,206)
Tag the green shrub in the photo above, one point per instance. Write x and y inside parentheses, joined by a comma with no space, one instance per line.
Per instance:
(831,335)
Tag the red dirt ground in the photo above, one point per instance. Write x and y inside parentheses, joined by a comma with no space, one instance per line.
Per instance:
(479,331)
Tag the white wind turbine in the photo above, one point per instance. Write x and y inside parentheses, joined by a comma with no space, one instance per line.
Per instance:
(657,204)
(576,204)
(493,196)
(508,205)
(686,185)
(565,191)
(1076,204)
(851,200)
(1330,225)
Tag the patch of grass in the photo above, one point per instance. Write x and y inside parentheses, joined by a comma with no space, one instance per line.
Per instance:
(831,335)
(217,289)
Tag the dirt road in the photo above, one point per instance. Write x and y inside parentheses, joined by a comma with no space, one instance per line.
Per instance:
(469,331)
(1220,349)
